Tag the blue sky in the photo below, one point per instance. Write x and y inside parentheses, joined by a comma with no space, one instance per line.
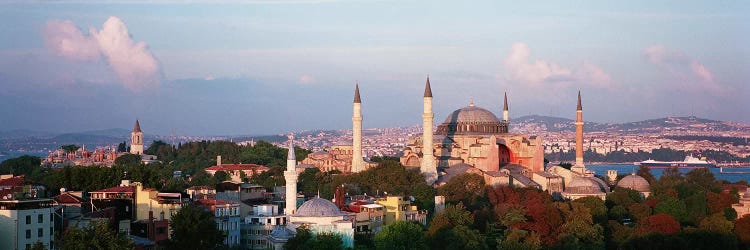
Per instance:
(259,67)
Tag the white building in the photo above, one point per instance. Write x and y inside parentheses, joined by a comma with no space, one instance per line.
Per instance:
(259,224)
(23,222)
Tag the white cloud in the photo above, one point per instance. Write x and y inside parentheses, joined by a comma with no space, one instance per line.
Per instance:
(306,79)
(133,64)
(687,73)
(520,68)
(67,40)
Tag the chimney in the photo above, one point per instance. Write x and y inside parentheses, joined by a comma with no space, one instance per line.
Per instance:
(218,160)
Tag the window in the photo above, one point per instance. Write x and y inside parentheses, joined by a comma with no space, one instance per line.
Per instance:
(28,219)
(40,233)
(28,246)
(40,218)
(28,233)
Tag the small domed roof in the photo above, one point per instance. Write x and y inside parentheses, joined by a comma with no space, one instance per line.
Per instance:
(634,182)
(472,114)
(584,185)
(282,233)
(318,208)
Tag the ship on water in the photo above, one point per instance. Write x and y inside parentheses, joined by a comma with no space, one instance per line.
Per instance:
(689,162)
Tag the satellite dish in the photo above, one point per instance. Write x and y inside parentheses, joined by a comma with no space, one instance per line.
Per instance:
(411,198)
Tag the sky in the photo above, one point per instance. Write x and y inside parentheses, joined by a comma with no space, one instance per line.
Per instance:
(274,66)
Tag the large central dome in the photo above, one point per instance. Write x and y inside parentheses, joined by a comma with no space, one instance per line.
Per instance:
(472,119)
(471,114)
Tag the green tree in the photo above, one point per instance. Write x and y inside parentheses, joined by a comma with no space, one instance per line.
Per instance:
(22,165)
(596,208)
(579,230)
(400,235)
(299,240)
(38,246)
(155,147)
(717,223)
(304,239)
(98,235)
(449,229)
(703,178)
(128,160)
(221,176)
(674,207)
(122,147)
(645,172)
(467,188)
(69,148)
(193,228)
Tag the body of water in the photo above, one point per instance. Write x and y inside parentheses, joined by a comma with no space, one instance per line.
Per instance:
(629,168)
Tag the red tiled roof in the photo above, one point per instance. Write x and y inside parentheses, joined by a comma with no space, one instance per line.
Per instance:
(234,167)
(67,198)
(116,190)
(13,181)
(209,202)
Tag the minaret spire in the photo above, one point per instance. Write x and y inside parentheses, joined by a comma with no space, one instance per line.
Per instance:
(579,167)
(290,176)
(356,93)
(505,107)
(358,163)
(427,165)
(427,88)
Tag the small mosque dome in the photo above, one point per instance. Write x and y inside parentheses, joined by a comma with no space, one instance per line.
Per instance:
(585,185)
(318,208)
(282,233)
(634,182)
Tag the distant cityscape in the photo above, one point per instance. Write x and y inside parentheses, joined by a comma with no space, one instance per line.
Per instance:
(677,133)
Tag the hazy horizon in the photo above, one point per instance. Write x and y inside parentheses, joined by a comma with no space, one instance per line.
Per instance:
(260,67)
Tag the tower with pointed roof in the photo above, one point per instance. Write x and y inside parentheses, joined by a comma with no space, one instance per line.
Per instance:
(427,166)
(290,176)
(579,167)
(136,139)
(358,163)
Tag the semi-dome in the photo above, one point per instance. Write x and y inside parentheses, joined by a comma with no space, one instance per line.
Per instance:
(472,119)
(634,182)
(585,185)
(318,208)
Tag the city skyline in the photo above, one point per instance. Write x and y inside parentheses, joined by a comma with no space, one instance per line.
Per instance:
(265,67)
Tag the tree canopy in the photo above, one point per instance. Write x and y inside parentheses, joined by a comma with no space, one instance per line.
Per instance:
(193,228)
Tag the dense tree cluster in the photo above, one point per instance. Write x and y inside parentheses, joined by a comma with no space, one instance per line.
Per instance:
(194,228)
(305,239)
(98,235)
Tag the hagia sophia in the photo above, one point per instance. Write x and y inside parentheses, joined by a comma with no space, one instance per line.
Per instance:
(474,140)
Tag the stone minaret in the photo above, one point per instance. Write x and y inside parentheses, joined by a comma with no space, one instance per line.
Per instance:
(358,163)
(579,136)
(290,175)
(136,139)
(505,107)
(427,166)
